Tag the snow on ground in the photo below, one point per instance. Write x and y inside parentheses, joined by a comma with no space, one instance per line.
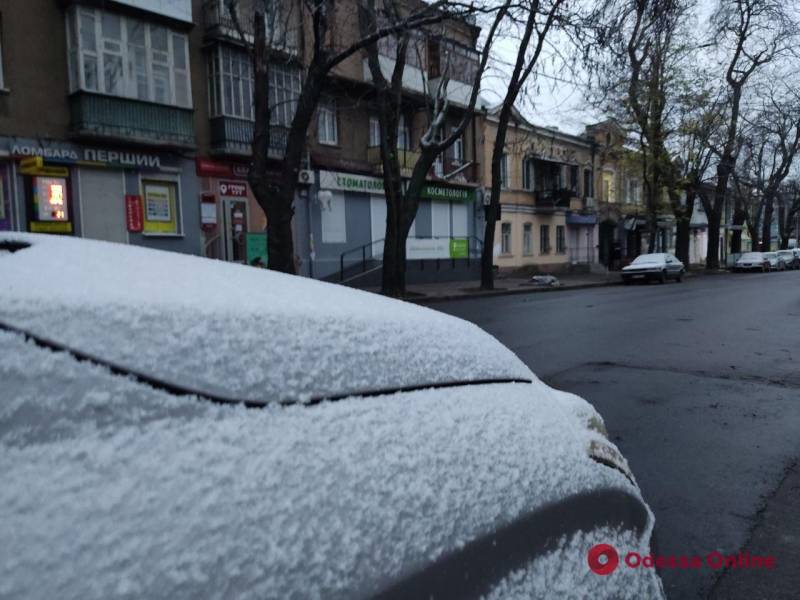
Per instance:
(114,490)
(233,329)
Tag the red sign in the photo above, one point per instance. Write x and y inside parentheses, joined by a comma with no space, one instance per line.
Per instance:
(233,189)
(212,168)
(133,213)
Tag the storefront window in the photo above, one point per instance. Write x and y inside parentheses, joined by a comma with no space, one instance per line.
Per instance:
(160,207)
(122,56)
(5,199)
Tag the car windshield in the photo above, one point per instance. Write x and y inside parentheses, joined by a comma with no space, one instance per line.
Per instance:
(648,259)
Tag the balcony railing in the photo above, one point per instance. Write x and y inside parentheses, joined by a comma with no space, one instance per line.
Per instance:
(406,158)
(219,24)
(99,116)
(232,136)
(550,200)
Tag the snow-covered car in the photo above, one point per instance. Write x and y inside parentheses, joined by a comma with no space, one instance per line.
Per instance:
(776,262)
(790,258)
(177,427)
(752,261)
(660,267)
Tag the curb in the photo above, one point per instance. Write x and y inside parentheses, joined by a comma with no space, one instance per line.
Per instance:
(508,292)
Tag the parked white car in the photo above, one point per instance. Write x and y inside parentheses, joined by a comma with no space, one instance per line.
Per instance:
(791,258)
(177,427)
(776,262)
(752,261)
(658,267)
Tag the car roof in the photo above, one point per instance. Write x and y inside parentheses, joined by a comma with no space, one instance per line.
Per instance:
(234,331)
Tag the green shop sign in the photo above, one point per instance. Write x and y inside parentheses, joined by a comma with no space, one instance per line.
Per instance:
(256,248)
(440,192)
(459,248)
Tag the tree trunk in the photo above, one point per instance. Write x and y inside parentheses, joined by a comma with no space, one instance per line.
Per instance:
(766,225)
(712,252)
(487,252)
(739,216)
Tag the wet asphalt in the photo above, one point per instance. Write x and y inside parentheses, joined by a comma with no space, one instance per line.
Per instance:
(699,385)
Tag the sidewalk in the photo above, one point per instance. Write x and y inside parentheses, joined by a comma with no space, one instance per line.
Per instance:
(453,290)
(426,293)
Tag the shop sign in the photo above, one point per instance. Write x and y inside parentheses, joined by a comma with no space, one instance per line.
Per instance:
(95,156)
(459,248)
(441,192)
(208,210)
(232,189)
(256,248)
(350,182)
(133,213)
(50,198)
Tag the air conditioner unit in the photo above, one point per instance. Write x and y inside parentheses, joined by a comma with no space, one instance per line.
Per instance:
(305,176)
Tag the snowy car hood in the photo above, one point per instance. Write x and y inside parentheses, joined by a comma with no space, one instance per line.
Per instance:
(234,330)
(114,489)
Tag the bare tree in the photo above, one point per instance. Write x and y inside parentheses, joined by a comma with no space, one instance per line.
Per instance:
(541,17)
(326,51)
(753,33)
(788,212)
(402,199)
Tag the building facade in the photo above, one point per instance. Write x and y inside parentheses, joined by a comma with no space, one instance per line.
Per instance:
(548,221)
(97,121)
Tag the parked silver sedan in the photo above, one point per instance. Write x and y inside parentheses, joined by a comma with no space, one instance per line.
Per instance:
(790,257)
(776,262)
(752,261)
(659,267)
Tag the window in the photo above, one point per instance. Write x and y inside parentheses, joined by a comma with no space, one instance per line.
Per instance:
(588,192)
(230,83)
(505,238)
(634,191)
(160,207)
(544,239)
(121,56)
(284,90)
(403,133)
(528,181)
(374,132)
(527,239)
(504,171)
(561,239)
(573,178)
(458,151)
(326,124)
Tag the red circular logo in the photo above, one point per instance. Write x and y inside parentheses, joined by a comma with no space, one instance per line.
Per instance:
(603,559)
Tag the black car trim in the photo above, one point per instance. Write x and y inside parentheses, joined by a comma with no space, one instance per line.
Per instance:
(177,389)
(472,571)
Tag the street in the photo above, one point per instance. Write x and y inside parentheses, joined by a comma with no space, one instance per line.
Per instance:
(699,386)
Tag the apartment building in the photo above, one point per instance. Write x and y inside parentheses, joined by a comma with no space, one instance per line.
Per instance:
(97,114)
(548,219)
(623,231)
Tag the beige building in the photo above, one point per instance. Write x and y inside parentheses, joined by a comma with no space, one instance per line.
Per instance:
(548,221)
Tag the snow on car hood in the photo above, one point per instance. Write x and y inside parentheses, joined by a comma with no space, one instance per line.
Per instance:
(114,489)
(235,330)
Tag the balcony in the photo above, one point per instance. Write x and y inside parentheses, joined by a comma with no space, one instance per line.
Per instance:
(128,120)
(219,24)
(234,137)
(548,201)
(407,159)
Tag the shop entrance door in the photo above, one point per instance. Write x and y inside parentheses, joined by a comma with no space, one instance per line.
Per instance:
(102,202)
(235,214)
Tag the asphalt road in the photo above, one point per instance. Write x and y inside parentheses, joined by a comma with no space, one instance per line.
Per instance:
(699,385)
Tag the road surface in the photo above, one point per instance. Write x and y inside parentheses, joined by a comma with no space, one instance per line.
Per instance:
(699,385)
